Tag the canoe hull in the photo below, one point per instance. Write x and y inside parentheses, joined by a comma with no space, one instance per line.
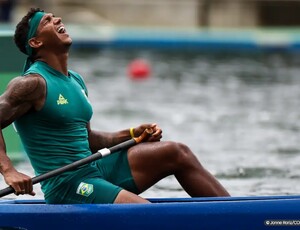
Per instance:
(185,213)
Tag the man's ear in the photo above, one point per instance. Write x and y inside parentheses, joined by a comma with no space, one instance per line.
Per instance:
(34,43)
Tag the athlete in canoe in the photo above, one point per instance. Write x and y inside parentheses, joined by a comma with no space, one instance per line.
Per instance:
(50,109)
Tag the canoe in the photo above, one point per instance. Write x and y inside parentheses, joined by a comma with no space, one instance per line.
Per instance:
(232,213)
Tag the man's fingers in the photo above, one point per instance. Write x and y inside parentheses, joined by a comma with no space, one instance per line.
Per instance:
(24,187)
(28,186)
(155,138)
(18,190)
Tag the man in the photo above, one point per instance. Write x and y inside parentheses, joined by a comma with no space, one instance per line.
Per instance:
(51,111)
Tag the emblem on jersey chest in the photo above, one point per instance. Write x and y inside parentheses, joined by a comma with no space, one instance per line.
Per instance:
(61,100)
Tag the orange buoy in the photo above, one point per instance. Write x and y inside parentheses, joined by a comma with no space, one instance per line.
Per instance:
(139,69)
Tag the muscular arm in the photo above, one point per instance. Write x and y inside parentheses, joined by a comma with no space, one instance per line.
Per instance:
(21,95)
(99,140)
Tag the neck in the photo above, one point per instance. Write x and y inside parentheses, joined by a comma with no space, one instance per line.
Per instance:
(58,62)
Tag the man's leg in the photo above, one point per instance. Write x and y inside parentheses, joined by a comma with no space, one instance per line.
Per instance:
(117,180)
(151,162)
(128,197)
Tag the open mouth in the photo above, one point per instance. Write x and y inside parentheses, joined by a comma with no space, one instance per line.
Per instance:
(61,29)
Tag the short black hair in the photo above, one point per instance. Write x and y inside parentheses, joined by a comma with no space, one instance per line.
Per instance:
(22,29)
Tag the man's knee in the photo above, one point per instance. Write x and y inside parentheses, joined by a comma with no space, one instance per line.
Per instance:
(181,153)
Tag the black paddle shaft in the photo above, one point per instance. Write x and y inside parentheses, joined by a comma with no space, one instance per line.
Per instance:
(81,162)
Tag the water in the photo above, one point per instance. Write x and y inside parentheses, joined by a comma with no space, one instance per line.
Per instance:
(239,113)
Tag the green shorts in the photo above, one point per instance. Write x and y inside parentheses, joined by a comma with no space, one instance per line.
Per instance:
(98,183)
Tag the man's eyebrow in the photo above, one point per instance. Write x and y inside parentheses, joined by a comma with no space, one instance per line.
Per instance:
(47,16)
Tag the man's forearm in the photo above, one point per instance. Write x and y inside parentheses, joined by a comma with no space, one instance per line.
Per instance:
(5,162)
(99,140)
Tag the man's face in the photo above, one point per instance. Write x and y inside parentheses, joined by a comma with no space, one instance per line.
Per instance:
(52,33)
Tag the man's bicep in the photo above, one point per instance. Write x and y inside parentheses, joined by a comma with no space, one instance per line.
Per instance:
(26,89)
(17,100)
(9,111)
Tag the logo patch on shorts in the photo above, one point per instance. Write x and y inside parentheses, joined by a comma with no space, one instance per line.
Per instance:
(85,189)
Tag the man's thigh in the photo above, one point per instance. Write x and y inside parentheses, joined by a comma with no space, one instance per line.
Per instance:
(116,170)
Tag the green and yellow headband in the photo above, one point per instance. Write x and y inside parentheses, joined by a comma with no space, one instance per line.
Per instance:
(33,25)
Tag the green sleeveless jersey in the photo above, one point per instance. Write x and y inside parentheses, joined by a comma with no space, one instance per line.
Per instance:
(56,135)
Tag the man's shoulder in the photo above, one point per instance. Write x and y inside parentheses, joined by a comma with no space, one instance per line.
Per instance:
(33,78)
(77,77)
(28,83)
(75,74)
(28,78)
